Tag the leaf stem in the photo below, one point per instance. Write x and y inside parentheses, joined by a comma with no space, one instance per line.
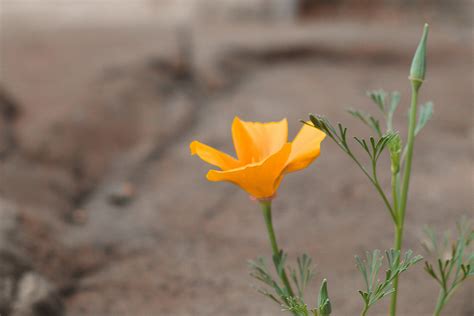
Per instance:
(365,310)
(440,303)
(395,194)
(374,181)
(405,185)
(267,214)
(443,298)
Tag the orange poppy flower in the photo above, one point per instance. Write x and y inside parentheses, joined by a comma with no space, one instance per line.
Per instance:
(264,155)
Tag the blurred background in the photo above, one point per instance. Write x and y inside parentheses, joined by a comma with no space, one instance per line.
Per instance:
(104,212)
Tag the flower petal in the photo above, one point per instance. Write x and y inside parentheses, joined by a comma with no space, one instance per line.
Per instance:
(260,180)
(305,148)
(213,156)
(243,143)
(261,139)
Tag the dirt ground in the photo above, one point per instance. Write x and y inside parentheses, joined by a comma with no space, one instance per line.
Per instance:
(116,214)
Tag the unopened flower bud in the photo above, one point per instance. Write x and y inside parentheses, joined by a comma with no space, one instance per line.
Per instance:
(324,305)
(418,64)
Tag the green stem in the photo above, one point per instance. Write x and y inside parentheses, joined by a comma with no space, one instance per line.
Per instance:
(381,192)
(374,181)
(444,297)
(405,186)
(410,145)
(395,195)
(364,312)
(267,214)
(441,302)
(397,246)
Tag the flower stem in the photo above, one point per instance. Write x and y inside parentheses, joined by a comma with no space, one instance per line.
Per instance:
(267,214)
(404,188)
(397,246)
(410,145)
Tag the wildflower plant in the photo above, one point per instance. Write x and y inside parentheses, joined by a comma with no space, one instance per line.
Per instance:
(401,154)
(376,289)
(265,157)
(453,260)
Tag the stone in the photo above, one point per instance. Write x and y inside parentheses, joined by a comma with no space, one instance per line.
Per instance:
(22,291)
(36,297)
(122,194)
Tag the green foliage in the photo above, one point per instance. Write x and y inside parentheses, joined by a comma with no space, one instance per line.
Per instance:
(375,289)
(259,270)
(324,304)
(298,307)
(424,115)
(401,157)
(374,150)
(279,261)
(395,148)
(373,147)
(387,106)
(453,266)
(301,276)
(367,119)
(394,102)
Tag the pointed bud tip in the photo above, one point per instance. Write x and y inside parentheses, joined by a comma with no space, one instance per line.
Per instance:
(418,66)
